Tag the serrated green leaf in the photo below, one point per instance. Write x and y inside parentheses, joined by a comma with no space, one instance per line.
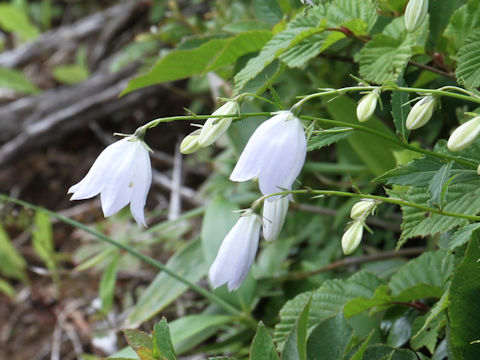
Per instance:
(386,352)
(358,355)
(427,337)
(189,263)
(462,235)
(400,109)
(162,343)
(138,339)
(262,345)
(17,81)
(330,338)
(296,343)
(208,56)
(12,19)
(468,71)
(463,21)
(326,301)
(328,136)
(384,58)
(463,310)
(418,172)
(268,11)
(437,184)
(107,283)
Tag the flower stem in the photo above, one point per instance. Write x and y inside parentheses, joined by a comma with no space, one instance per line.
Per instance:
(156,264)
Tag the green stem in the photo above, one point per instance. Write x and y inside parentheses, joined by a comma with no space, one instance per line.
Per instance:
(367,196)
(156,264)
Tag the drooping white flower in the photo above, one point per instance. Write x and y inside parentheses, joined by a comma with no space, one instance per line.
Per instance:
(464,135)
(274,214)
(275,153)
(237,252)
(352,237)
(215,127)
(121,174)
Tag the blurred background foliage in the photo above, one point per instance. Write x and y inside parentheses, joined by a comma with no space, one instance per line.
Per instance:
(66,295)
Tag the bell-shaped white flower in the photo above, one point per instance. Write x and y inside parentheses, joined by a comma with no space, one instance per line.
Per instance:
(275,153)
(362,209)
(415,14)
(121,174)
(367,105)
(274,214)
(352,237)
(464,135)
(216,127)
(237,252)
(421,112)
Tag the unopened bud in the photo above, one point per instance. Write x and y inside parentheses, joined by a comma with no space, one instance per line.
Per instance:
(464,135)
(190,144)
(421,112)
(367,105)
(215,127)
(352,237)
(478,170)
(415,14)
(362,209)
(274,213)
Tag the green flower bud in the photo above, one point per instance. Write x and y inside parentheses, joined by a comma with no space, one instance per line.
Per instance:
(215,127)
(415,14)
(464,135)
(352,237)
(366,106)
(190,144)
(362,209)
(421,112)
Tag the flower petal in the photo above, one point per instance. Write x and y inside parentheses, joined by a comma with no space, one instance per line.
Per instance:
(141,185)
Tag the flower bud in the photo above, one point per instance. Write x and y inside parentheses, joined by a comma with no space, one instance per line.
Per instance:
(421,112)
(415,14)
(190,144)
(274,213)
(464,135)
(215,127)
(366,106)
(362,209)
(352,237)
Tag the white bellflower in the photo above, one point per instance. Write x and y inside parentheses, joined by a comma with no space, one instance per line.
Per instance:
(237,252)
(275,153)
(274,214)
(121,174)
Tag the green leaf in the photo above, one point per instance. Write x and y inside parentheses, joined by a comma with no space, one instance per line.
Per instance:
(189,263)
(17,81)
(463,22)
(107,283)
(386,352)
(262,345)
(328,136)
(326,301)
(330,338)
(268,11)
(462,235)
(162,344)
(12,264)
(436,187)
(209,56)
(7,289)
(188,331)
(296,344)
(384,58)
(14,20)
(43,239)
(463,310)
(418,172)
(468,71)
(138,339)
(400,109)
(70,74)
(427,337)
(399,332)
(358,355)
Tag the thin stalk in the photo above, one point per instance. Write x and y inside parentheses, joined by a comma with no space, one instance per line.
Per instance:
(156,264)
(368,196)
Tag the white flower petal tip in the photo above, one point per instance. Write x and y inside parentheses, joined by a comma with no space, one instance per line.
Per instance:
(121,174)
(415,14)
(274,214)
(309,2)
(362,209)
(421,112)
(190,144)
(464,135)
(275,153)
(216,127)
(352,237)
(237,253)
(367,105)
